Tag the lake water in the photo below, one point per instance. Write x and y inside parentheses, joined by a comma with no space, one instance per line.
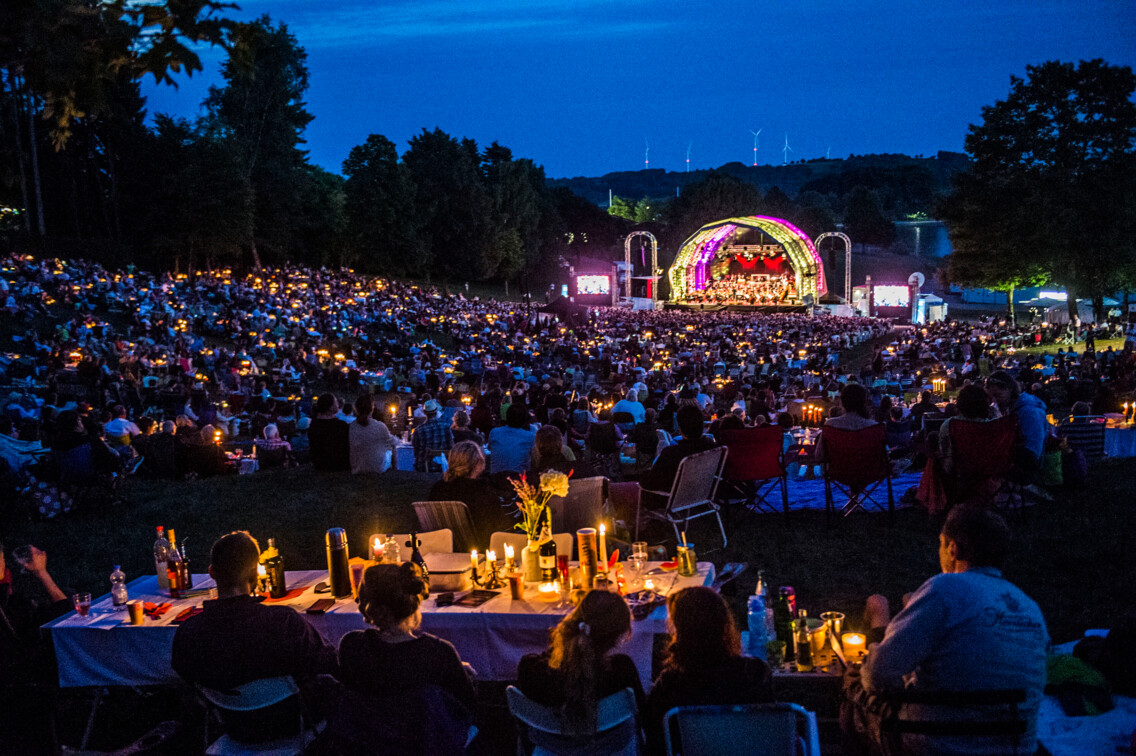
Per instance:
(923,238)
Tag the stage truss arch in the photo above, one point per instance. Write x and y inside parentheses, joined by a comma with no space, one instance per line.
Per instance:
(653,277)
(690,271)
(847,260)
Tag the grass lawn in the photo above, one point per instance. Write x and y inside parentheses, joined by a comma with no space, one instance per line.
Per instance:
(1070,553)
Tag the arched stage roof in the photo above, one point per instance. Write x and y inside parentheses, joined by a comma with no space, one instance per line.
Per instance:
(689,272)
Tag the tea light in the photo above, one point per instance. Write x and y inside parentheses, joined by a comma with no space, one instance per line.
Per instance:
(854,646)
(548,592)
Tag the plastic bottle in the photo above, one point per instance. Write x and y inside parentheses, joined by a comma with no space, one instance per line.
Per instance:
(392,554)
(758,636)
(118,595)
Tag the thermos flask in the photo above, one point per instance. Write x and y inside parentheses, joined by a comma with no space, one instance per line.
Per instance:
(339,575)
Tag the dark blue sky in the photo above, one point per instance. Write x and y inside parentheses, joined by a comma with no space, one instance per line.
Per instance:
(578,85)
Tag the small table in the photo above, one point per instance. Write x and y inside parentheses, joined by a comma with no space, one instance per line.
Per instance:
(104,649)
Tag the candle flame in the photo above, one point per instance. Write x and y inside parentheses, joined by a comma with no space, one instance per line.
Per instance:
(508,551)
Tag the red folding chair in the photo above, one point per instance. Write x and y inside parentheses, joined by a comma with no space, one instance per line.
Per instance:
(856,463)
(754,467)
(983,456)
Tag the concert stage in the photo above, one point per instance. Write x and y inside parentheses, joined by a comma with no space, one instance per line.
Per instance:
(767,309)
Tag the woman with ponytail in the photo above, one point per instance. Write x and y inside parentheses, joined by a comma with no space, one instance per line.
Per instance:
(393,656)
(578,668)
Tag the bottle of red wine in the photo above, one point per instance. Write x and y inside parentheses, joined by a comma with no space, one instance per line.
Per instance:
(547,556)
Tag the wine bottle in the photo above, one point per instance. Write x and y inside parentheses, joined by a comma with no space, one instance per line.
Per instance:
(173,567)
(416,557)
(161,557)
(274,565)
(547,556)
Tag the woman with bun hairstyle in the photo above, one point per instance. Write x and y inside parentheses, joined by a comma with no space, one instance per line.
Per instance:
(578,668)
(394,656)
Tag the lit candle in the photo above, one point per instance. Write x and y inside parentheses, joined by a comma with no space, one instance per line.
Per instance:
(603,546)
(648,584)
(854,646)
(508,556)
(377,550)
(473,560)
(261,579)
(491,557)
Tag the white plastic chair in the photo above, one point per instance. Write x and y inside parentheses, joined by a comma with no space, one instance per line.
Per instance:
(252,696)
(750,730)
(616,733)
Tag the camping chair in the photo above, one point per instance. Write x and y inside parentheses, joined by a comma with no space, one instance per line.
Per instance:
(1004,719)
(79,474)
(754,466)
(776,729)
(255,696)
(437,460)
(692,493)
(582,507)
(625,421)
(983,456)
(543,730)
(645,437)
(497,541)
(435,515)
(856,463)
(267,458)
(1086,434)
(664,440)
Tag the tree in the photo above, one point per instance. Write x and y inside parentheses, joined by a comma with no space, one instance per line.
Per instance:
(1046,192)
(864,219)
(260,110)
(382,224)
(717,196)
(622,208)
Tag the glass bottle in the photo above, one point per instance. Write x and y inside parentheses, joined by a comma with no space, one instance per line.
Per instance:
(783,622)
(392,554)
(161,558)
(802,646)
(416,557)
(547,556)
(174,567)
(274,566)
(186,574)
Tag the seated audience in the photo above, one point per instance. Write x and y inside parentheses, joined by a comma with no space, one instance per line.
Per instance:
(329,437)
(371,443)
(27,602)
(549,452)
(704,664)
(432,436)
(1033,427)
(236,639)
(580,666)
(965,629)
(511,444)
(461,430)
(972,405)
(463,481)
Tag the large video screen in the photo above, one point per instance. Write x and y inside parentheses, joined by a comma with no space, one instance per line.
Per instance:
(892,296)
(593,285)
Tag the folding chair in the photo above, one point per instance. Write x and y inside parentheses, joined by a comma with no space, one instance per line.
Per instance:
(856,463)
(999,716)
(582,507)
(543,730)
(983,456)
(692,493)
(435,515)
(1086,434)
(254,696)
(778,729)
(754,466)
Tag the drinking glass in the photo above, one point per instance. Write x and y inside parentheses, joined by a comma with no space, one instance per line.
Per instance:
(639,551)
(562,568)
(82,603)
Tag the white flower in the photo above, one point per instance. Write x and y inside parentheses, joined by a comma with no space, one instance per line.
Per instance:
(554,483)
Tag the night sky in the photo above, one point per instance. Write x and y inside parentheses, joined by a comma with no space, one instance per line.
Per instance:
(579,85)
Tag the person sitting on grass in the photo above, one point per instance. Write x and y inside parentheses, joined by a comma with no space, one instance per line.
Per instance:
(967,629)
(236,639)
(704,665)
(580,666)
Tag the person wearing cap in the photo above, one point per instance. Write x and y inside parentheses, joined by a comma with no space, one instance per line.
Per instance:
(433,435)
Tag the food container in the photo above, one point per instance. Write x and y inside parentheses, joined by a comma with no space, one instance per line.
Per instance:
(449,572)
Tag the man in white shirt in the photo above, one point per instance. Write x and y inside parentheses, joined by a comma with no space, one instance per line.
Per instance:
(120,426)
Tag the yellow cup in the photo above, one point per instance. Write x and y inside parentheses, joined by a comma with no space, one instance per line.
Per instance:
(134,609)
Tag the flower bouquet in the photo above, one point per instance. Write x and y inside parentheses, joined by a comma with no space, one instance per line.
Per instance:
(532,503)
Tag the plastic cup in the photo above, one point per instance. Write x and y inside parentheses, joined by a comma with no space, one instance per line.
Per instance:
(357,571)
(135,609)
(82,603)
(516,586)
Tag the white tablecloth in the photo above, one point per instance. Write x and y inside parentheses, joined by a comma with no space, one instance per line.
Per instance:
(1120,442)
(104,649)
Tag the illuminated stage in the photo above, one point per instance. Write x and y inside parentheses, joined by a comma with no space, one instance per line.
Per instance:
(753,263)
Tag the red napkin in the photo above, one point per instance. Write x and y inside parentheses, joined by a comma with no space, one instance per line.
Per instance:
(186,614)
(295,592)
(613,559)
(154,611)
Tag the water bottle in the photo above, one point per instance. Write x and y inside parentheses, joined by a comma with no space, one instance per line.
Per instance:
(758,633)
(391,552)
(118,589)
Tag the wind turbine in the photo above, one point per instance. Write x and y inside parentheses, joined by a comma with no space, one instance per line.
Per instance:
(647,154)
(786,150)
(688,156)
(756,134)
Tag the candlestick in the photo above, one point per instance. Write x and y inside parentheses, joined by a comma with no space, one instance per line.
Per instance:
(603,545)
(491,557)
(473,559)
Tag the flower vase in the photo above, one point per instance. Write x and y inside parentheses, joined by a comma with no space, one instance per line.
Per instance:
(530,562)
